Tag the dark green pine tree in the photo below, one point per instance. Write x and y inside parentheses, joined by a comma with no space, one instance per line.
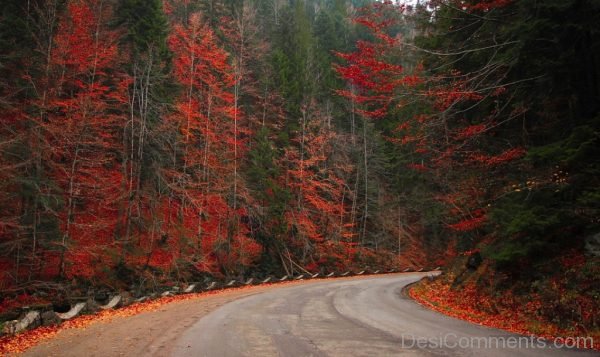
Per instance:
(544,56)
(559,46)
(146,25)
(271,199)
(28,198)
(293,59)
(150,93)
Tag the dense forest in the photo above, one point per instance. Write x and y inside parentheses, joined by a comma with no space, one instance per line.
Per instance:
(149,142)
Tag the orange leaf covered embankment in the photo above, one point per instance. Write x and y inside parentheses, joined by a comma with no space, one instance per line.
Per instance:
(467,304)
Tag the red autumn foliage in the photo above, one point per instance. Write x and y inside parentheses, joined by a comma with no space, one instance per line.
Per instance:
(470,131)
(207,120)
(320,210)
(476,220)
(20,300)
(502,158)
(79,126)
(368,69)
(510,314)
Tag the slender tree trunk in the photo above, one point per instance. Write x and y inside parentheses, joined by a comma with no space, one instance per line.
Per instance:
(300,195)
(352,118)
(66,233)
(366,179)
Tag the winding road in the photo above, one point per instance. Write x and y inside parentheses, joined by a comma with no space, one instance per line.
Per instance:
(366,317)
(360,316)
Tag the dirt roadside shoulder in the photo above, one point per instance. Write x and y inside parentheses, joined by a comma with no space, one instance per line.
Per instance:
(149,333)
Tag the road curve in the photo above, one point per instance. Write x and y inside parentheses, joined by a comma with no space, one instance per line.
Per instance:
(359,317)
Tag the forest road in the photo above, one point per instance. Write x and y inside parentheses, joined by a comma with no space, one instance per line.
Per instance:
(359,317)
(355,316)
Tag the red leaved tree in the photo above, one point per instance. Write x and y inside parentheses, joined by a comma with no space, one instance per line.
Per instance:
(209,148)
(81,130)
(318,213)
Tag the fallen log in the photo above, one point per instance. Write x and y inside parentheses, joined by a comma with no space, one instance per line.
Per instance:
(75,310)
(190,288)
(114,301)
